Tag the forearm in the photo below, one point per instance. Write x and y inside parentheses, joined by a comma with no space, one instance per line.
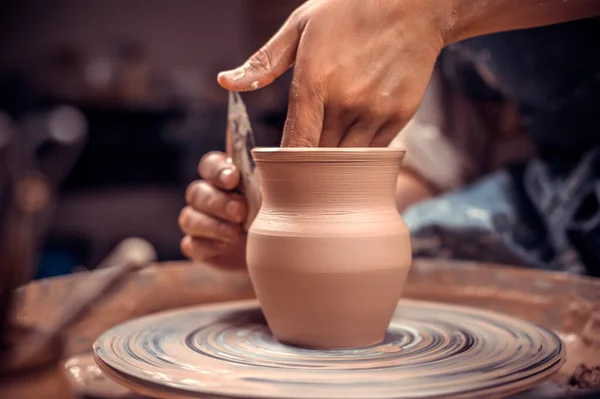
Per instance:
(470,18)
(411,189)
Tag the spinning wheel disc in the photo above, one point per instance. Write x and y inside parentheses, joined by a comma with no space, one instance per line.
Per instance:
(431,350)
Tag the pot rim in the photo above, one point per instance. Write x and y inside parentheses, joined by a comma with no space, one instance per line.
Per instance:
(360,150)
(336,155)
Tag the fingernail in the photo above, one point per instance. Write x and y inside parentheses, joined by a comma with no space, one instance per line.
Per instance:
(233,210)
(224,176)
(233,74)
(211,202)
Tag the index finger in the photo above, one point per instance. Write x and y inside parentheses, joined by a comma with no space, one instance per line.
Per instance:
(218,169)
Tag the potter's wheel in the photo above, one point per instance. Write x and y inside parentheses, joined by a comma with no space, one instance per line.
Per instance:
(431,350)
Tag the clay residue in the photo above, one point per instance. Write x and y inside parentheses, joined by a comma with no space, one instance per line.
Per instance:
(586,377)
(578,352)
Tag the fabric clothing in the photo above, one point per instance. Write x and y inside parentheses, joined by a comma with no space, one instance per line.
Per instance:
(542,211)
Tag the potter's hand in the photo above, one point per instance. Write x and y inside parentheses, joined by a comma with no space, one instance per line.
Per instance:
(212,219)
(361,68)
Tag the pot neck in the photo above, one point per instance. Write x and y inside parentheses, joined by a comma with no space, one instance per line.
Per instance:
(339,186)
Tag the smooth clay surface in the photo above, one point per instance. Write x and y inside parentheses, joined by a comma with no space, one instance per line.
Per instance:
(431,350)
(328,252)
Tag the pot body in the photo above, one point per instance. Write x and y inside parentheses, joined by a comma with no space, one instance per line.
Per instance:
(328,253)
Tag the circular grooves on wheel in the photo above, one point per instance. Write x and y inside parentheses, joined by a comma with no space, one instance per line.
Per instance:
(431,350)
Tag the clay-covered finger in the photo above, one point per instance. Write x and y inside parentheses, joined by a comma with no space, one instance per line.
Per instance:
(201,248)
(218,169)
(268,63)
(201,225)
(207,199)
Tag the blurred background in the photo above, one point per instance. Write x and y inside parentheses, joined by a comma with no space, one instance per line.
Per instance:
(126,92)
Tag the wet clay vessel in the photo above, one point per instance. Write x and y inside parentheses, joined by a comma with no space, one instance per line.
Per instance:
(328,253)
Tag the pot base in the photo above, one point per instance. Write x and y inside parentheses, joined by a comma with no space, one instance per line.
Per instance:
(328,310)
(335,347)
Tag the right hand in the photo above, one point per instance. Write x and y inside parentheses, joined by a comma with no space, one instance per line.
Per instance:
(212,219)
(360,68)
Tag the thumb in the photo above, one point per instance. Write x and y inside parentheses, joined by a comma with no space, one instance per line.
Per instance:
(268,63)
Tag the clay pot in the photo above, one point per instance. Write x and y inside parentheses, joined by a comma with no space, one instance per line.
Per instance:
(328,252)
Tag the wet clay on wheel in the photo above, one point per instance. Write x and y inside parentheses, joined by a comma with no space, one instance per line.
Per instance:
(328,252)
(586,377)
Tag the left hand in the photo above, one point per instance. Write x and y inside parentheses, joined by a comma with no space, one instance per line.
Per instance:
(212,219)
(361,68)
